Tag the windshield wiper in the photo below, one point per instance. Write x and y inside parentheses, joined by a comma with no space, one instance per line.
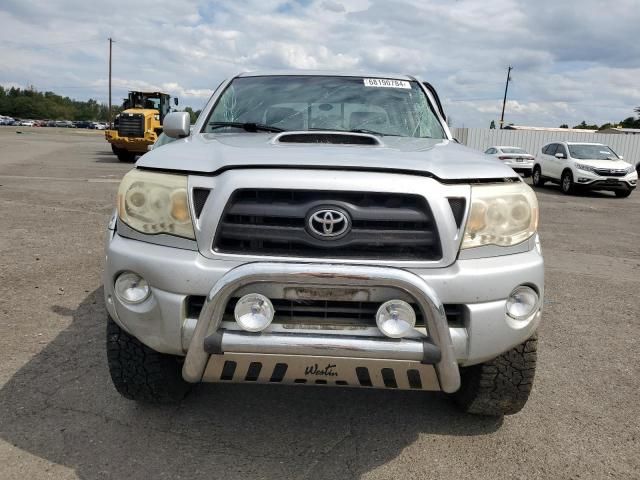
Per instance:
(248,126)
(373,132)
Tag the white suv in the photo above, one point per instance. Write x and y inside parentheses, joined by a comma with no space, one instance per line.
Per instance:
(592,166)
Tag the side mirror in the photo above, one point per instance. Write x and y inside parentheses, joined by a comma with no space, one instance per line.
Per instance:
(620,157)
(560,155)
(177,124)
(175,100)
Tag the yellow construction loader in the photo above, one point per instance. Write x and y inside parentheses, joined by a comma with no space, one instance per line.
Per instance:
(139,124)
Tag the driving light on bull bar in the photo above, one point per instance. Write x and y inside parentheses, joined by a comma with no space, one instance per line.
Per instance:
(131,288)
(395,318)
(502,214)
(254,312)
(522,302)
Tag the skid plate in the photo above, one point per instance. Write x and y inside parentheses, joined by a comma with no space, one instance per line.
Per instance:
(326,371)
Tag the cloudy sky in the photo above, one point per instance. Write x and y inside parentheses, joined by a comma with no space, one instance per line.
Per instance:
(573,60)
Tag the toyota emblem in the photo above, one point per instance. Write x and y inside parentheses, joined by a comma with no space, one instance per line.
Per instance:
(328,223)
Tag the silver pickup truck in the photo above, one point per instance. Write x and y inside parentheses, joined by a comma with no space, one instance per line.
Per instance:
(323,229)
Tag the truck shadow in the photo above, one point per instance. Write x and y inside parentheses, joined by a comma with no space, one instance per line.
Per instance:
(105,156)
(62,407)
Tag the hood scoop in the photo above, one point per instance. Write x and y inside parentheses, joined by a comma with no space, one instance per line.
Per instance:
(327,137)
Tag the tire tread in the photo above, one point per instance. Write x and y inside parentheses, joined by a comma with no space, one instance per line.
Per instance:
(139,372)
(500,386)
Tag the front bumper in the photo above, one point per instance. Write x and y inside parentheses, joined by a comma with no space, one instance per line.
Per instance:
(164,324)
(131,144)
(594,181)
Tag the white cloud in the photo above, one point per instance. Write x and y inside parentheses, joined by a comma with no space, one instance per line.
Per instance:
(572,60)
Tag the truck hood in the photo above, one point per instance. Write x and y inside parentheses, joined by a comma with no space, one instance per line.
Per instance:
(213,153)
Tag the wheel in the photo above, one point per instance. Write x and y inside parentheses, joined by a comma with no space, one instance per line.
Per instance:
(500,386)
(140,373)
(114,149)
(566,182)
(125,156)
(537,177)
(623,193)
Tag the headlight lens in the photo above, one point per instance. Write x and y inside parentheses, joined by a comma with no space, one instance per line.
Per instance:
(501,215)
(153,203)
(586,168)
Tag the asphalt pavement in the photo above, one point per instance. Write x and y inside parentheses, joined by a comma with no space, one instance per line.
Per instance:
(61,418)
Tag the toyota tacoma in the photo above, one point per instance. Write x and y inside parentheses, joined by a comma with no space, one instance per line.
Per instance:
(323,229)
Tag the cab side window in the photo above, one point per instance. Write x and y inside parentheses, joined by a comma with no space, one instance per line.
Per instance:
(563,150)
(551,149)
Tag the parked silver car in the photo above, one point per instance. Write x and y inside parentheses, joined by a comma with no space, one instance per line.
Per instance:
(515,157)
(323,230)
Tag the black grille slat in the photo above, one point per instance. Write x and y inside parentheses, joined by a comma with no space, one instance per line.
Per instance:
(331,311)
(273,222)
(131,125)
(357,237)
(458,205)
(200,196)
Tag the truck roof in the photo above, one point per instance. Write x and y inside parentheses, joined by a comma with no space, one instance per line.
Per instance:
(327,73)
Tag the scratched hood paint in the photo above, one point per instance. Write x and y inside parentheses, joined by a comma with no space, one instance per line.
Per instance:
(211,153)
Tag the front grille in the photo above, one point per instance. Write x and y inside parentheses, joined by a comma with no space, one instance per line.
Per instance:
(131,125)
(606,172)
(326,312)
(275,222)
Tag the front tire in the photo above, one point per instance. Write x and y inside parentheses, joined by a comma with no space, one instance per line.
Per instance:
(140,373)
(623,193)
(566,183)
(126,156)
(537,179)
(500,386)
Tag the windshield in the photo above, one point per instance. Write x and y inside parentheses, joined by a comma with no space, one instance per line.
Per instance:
(163,139)
(514,150)
(140,100)
(592,152)
(387,107)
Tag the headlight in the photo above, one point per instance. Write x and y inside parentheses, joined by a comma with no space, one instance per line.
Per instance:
(153,203)
(586,168)
(501,215)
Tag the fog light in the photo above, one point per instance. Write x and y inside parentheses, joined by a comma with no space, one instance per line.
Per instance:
(131,288)
(522,303)
(254,312)
(395,318)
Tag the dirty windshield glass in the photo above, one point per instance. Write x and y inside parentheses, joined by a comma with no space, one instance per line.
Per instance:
(369,105)
(592,152)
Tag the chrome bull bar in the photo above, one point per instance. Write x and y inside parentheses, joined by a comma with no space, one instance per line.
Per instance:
(334,275)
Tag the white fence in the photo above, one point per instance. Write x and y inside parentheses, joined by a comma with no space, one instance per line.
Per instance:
(532,140)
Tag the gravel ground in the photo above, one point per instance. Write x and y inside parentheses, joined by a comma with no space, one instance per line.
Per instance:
(61,418)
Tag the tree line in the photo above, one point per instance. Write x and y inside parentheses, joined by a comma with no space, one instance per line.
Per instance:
(629,122)
(32,104)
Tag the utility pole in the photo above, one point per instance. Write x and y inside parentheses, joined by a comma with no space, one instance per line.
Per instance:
(504,100)
(110,49)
